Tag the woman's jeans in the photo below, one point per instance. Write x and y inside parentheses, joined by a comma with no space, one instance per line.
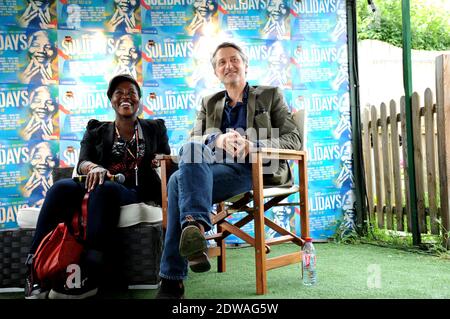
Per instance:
(200,181)
(65,197)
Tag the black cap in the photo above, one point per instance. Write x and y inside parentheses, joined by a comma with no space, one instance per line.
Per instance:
(115,81)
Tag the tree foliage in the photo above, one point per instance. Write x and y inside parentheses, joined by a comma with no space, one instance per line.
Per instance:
(430,25)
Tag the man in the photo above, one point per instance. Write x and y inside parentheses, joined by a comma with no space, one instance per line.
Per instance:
(36,14)
(43,109)
(282,217)
(277,13)
(126,56)
(345,175)
(41,53)
(203,11)
(42,163)
(124,17)
(205,176)
(278,66)
(344,124)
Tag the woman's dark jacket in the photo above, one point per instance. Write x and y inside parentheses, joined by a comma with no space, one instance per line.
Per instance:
(98,141)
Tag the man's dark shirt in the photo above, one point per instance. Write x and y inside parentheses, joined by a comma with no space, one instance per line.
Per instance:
(233,117)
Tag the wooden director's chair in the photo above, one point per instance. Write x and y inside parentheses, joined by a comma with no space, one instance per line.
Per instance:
(258,194)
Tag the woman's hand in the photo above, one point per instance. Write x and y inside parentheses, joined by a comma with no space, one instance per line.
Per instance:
(96,176)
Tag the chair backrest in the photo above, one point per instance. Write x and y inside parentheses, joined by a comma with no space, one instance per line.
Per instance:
(74,172)
(62,172)
(300,121)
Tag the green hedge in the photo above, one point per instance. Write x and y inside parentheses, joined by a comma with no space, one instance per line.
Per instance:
(430,26)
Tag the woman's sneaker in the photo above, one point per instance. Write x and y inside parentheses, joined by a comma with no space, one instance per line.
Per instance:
(33,288)
(87,289)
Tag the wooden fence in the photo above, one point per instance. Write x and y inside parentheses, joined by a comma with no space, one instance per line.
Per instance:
(385,158)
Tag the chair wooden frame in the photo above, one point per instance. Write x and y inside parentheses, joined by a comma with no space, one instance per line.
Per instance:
(256,213)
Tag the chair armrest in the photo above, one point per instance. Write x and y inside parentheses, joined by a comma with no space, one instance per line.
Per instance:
(272,153)
(169,164)
(278,153)
(164,157)
(257,159)
(62,172)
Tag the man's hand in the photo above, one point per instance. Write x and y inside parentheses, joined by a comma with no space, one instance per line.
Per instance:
(31,70)
(33,125)
(227,141)
(234,144)
(244,148)
(116,19)
(196,23)
(34,182)
(130,25)
(29,14)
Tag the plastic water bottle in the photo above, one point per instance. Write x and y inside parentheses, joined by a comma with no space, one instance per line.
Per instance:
(309,273)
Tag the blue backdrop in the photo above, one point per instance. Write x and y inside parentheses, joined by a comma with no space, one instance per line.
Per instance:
(56,58)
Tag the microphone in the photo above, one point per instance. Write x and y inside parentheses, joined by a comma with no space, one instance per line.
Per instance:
(118,178)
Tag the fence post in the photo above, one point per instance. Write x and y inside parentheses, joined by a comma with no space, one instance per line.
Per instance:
(378,168)
(405,163)
(443,120)
(396,165)
(418,162)
(386,160)
(367,150)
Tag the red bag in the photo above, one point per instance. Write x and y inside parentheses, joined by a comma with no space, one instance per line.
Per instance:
(60,247)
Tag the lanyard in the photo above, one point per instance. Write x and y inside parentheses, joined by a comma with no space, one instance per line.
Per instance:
(136,134)
(136,137)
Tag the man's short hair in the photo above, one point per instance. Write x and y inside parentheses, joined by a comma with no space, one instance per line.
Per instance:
(228,45)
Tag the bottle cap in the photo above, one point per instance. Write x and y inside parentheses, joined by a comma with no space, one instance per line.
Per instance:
(308,239)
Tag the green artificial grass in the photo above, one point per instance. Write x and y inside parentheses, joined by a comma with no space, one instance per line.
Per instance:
(350,271)
(343,271)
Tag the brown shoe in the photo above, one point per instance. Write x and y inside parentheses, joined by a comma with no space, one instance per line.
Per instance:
(193,247)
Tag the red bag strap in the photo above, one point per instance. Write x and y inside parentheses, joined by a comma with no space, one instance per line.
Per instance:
(79,221)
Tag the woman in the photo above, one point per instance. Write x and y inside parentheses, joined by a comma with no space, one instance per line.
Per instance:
(126,146)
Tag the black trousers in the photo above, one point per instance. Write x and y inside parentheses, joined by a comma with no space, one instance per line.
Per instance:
(65,197)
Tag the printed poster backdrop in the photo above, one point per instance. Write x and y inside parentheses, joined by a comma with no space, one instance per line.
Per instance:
(56,58)
(28,56)
(180,17)
(29,112)
(80,103)
(33,14)
(110,16)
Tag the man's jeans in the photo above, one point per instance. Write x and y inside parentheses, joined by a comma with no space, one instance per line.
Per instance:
(199,182)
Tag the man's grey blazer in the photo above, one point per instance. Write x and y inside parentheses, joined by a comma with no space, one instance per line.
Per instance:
(269,122)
